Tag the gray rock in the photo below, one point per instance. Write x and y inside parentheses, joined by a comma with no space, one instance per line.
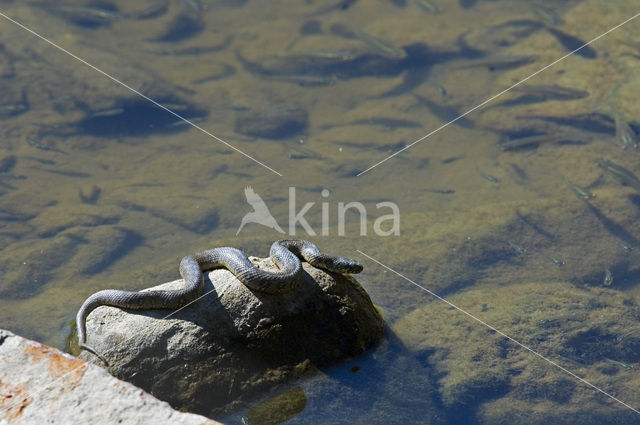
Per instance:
(40,384)
(233,344)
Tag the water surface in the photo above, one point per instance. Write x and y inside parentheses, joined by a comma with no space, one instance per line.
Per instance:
(100,189)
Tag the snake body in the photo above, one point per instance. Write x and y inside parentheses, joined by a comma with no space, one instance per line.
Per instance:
(286,254)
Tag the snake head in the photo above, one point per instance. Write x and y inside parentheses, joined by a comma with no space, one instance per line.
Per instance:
(343,265)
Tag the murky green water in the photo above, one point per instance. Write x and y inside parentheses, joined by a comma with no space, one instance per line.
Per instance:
(100,189)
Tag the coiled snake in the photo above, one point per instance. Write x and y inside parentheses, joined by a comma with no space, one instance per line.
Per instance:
(286,254)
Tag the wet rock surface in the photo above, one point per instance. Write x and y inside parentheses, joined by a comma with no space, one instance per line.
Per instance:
(40,384)
(233,344)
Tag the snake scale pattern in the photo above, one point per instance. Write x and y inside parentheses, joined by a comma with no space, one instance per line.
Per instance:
(286,254)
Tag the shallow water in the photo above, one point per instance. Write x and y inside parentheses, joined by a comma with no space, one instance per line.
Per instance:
(101,189)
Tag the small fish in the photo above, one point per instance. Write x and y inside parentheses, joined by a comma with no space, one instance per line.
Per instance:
(520,172)
(13,176)
(224,72)
(535,140)
(623,336)
(312,55)
(382,47)
(65,173)
(13,109)
(154,10)
(42,147)
(622,365)
(625,135)
(203,50)
(305,80)
(176,106)
(580,192)
(107,112)
(388,123)
(486,176)
(451,159)
(623,245)
(387,148)
(546,15)
(445,113)
(621,174)
(332,7)
(552,92)
(303,152)
(497,62)
(195,5)
(573,44)
(441,90)
(558,262)
(593,122)
(519,249)
(442,191)
(41,160)
(608,277)
(428,6)
(59,99)
(542,93)
(377,45)
(102,14)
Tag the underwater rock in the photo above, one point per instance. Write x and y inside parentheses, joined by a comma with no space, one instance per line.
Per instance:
(488,379)
(195,219)
(106,245)
(41,384)
(57,218)
(232,344)
(277,409)
(33,264)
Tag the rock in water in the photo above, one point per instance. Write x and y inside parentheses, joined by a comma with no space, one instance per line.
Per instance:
(232,344)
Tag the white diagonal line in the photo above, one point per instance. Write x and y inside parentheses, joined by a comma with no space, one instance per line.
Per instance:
(498,95)
(500,332)
(197,127)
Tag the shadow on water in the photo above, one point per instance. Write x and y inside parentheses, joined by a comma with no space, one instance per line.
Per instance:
(377,387)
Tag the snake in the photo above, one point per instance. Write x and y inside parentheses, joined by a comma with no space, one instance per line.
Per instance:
(286,254)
